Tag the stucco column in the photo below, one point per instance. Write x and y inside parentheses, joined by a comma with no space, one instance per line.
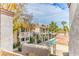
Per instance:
(74,30)
(6,29)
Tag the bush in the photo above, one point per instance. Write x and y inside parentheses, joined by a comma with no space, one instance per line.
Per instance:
(39,41)
(14,46)
(20,48)
(52,55)
(18,43)
(31,40)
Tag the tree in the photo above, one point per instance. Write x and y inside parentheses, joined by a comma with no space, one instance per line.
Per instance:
(53,27)
(65,27)
(64,23)
(16,25)
(16,18)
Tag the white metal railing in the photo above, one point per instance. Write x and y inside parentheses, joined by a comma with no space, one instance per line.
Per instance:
(36,46)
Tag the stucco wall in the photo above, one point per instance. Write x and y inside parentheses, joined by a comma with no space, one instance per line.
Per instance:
(72,10)
(6,32)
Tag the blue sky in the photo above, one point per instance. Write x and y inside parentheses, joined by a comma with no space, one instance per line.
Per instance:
(44,13)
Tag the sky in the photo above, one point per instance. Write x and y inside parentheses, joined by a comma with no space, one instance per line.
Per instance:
(45,13)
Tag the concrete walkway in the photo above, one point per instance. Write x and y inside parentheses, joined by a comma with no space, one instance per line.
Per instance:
(36,50)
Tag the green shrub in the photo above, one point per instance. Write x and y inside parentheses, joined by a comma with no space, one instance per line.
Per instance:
(18,44)
(14,45)
(38,41)
(20,48)
(31,40)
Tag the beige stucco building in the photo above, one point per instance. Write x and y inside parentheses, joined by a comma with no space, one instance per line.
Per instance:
(6,29)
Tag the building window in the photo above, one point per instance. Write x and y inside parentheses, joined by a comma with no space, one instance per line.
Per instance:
(22,39)
(27,38)
(22,29)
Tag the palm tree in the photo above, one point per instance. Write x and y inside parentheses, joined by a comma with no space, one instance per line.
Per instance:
(17,14)
(53,28)
(65,27)
(16,22)
(64,23)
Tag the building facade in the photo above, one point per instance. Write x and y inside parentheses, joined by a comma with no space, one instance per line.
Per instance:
(6,32)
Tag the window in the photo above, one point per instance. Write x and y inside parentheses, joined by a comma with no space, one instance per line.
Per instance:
(22,29)
(22,39)
(26,39)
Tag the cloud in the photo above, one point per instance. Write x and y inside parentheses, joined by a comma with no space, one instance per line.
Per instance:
(61,5)
(44,13)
